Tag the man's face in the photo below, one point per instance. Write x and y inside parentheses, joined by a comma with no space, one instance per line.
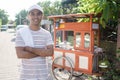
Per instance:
(35,17)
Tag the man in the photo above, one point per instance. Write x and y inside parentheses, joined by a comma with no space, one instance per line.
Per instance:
(33,45)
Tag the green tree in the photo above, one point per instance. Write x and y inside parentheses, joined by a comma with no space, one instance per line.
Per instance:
(68,6)
(57,8)
(109,9)
(51,8)
(46,7)
(3,17)
(21,16)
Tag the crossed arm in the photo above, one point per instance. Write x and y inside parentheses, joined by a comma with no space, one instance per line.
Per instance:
(29,52)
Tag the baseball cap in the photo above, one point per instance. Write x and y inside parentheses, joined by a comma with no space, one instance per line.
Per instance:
(35,7)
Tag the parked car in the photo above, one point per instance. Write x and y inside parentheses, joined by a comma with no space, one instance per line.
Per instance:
(3,27)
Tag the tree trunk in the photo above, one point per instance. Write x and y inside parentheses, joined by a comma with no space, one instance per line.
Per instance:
(118,39)
(118,46)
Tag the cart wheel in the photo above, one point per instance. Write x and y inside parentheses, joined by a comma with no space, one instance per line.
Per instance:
(61,73)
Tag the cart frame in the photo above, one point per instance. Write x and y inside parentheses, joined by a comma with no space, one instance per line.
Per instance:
(81,57)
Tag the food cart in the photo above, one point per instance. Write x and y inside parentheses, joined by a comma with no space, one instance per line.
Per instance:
(76,38)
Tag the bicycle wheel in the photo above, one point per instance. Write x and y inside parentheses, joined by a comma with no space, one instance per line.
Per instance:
(61,73)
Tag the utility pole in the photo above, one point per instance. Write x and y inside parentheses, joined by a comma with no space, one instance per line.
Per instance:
(0,23)
(19,18)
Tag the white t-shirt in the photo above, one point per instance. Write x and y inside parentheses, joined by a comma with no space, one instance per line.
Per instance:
(35,68)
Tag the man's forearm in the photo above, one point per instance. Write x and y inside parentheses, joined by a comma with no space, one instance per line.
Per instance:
(42,52)
(22,53)
(28,55)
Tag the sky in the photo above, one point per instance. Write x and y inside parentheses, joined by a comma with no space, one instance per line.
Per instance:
(12,7)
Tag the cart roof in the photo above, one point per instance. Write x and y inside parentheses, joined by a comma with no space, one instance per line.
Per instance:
(84,15)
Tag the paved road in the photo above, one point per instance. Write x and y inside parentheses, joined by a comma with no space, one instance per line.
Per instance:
(9,63)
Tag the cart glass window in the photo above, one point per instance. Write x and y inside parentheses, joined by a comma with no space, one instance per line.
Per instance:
(78,39)
(64,39)
(87,40)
